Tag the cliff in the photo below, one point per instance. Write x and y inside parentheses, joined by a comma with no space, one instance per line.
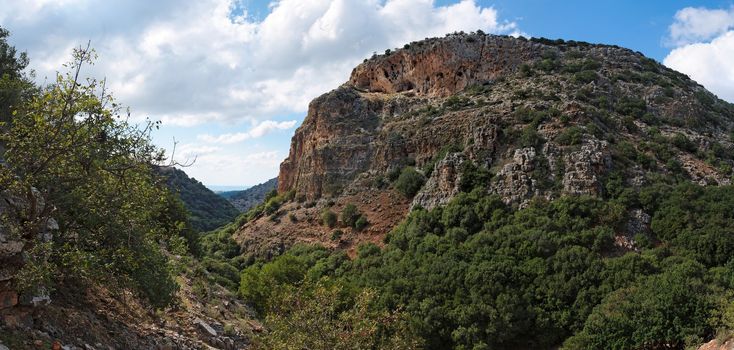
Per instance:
(545,118)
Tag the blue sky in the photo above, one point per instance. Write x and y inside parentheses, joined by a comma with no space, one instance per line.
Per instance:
(231,79)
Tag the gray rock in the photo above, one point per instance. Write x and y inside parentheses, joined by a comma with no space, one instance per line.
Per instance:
(3,347)
(443,183)
(514,182)
(584,167)
(205,327)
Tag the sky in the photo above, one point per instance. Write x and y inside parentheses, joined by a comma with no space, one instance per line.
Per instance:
(231,80)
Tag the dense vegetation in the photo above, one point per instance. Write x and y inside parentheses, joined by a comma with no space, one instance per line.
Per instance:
(477,274)
(207,210)
(74,162)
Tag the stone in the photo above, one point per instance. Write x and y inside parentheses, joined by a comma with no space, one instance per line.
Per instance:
(443,183)
(8,299)
(11,248)
(3,347)
(205,327)
(584,167)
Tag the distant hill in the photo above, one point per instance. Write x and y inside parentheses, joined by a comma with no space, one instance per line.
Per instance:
(244,200)
(208,210)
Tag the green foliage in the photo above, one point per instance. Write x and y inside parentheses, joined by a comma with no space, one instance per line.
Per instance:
(15,86)
(328,218)
(326,315)
(683,143)
(631,106)
(660,311)
(70,147)
(585,76)
(350,214)
(409,182)
(570,136)
(207,209)
(473,176)
(336,235)
(478,274)
(530,137)
(699,221)
(361,223)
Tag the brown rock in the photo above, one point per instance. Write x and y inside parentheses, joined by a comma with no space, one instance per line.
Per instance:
(8,299)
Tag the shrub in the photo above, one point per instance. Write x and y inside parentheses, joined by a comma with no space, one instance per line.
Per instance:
(683,143)
(328,218)
(361,223)
(530,137)
(350,214)
(336,235)
(570,136)
(409,182)
(584,76)
(631,106)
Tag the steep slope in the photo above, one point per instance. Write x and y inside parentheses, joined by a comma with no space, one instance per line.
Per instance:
(244,200)
(208,210)
(545,118)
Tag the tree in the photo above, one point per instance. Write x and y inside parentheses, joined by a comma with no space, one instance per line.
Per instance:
(323,315)
(350,215)
(409,182)
(73,156)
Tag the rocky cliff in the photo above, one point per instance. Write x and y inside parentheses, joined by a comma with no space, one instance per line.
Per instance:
(545,118)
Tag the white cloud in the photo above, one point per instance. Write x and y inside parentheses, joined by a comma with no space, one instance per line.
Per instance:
(197,62)
(193,62)
(697,24)
(709,63)
(704,46)
(232,168)
(259,130)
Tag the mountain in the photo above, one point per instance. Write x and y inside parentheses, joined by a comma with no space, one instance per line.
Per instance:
(208,210)
(545,118)
(491,192)
(246,199)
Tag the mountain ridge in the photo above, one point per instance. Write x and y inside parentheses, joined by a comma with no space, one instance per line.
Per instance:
(546,118)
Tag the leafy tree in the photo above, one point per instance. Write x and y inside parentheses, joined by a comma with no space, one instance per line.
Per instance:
(72,156)
(661,311)
(409,182)
(350,215)
(323,315)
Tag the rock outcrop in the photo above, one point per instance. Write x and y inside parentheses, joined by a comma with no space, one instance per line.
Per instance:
(545,118)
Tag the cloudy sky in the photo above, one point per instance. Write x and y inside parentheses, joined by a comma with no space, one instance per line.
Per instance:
(231,79)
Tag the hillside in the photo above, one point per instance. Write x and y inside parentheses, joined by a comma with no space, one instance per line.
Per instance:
(208,210)
(545,118)
(246,199)
(507,193)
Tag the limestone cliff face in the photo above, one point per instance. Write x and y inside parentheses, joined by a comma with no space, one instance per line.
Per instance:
(545,118)
(470,91)
(444,67)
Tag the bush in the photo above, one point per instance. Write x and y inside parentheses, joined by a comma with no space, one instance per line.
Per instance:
(336,235)
(409,182)
(683,143)
(350,214)
(631,106)
(530,137)
(328,218)
(570,136)
(361,223)
(584,77)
